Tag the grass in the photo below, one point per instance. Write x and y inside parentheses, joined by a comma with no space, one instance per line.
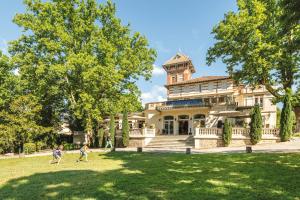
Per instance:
(153,176)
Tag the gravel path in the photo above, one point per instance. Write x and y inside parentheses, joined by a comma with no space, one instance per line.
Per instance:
(282,147)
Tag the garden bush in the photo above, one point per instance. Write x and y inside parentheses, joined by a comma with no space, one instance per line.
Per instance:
(227,133)
(255,125)
(69,146)
(40,145)
(29,148)
(287,119)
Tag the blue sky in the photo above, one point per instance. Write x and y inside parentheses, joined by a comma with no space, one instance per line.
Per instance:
(170,26)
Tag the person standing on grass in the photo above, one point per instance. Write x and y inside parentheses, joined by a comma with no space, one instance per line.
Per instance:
(56,155)
(83,152)
(108,142)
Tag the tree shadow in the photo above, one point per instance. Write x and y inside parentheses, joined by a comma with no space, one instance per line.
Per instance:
(169,176)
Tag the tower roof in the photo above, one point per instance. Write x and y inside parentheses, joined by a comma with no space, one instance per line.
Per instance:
(178,58)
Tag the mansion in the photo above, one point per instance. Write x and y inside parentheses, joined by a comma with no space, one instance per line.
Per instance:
(195,110)
(204,102)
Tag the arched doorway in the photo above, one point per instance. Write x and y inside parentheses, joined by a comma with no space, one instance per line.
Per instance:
(200,119)
(183,124)
(168,125)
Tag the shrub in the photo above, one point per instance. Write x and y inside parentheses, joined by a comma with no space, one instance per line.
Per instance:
(40,145)
(125,129)
(286,120)
(255,125)
(29,148)
(68,146)
(227,133)
(112,127)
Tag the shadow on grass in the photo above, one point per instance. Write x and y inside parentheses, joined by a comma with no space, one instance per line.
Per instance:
(169,176)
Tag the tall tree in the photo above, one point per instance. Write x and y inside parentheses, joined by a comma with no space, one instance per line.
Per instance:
(255,125)
(79,55)
(112,129)
(125,129)
(287,119)
(227,132)
(259,47)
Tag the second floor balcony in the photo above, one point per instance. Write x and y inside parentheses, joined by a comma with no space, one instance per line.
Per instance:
(191,103)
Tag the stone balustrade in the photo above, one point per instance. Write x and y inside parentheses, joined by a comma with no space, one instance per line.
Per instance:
(212,137)
(208,132)
(141,137)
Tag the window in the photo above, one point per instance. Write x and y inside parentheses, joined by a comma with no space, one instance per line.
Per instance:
(173,79)
(221,99)
(183,117)
(200,88)
(259,100)
(220,124)
(248,101)
(168,118)
(206,100)
(214,100)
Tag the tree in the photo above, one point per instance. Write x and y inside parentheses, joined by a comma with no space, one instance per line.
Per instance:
(278,116)
(112,129)
(287,119)
(260,45)
(125,129)
(21,122)
(101,137)
(255,125)
(9,87)
(77,57)
(227,133)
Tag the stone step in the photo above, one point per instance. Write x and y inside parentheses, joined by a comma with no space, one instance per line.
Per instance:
(176,142)
(171,141)
(170,147)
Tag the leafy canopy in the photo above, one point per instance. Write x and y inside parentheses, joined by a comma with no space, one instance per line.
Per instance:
(258,46)
(78,57)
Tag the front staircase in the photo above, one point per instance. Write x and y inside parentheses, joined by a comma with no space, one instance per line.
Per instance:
(172,141)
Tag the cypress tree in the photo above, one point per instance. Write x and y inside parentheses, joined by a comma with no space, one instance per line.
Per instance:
(100,137)
(255,125)
(286,120)
(112,127)
(227,133)
(125,129)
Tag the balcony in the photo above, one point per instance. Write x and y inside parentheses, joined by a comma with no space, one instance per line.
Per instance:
(177,104)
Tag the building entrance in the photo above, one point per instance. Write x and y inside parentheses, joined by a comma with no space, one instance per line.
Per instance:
(168,125)
(183,124)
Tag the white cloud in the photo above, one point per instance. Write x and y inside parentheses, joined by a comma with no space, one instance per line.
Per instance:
(157,71)
(156,93)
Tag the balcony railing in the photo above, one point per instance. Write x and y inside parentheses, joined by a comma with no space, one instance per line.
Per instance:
(237,133)
(142,132)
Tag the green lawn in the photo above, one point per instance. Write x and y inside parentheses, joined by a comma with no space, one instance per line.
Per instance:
(153,176)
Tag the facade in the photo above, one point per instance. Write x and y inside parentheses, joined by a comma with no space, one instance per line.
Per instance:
(204,102)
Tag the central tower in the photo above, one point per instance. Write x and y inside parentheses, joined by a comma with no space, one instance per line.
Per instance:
(179,68)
